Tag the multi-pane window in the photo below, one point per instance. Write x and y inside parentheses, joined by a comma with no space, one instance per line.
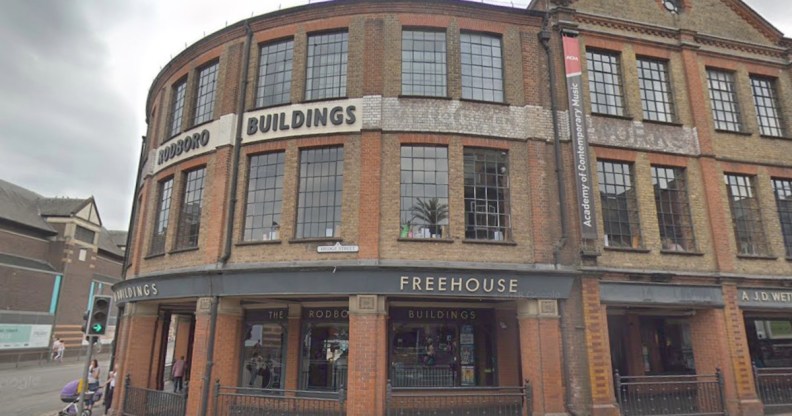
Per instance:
(319,199)
(164,191)
(424,192)
(177,108)
(673,208)
(482,67)
(746,215)
(723,97)
(424,63)
(85,235)
(275,74)
(655,89)
(783,195)
(327,66)
(264,197)
(204,102)
(619,205)
(487,194)
(190,215)
(764,94)
(604,73)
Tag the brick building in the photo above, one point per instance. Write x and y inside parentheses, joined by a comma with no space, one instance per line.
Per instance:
(54,254)
(368,199)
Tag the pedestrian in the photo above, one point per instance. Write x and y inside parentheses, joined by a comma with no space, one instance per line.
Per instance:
(58,347)
(253,367)
(109,388)
(94,375)
(178,374)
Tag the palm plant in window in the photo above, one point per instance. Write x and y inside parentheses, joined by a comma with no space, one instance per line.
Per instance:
(430,212)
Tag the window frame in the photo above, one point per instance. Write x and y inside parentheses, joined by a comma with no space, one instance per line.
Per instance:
(632,222)
(206,93)
(161,220)
(784,212)
(677,206)
(316,93)
(755,242)
(335,210)
(497,182)
(177,107)
(598,77)
(660,86)
(767,104)
(498,74)
(725,104)
(425,64)
(271,232)
(431,207)
(263,74)
(188,233)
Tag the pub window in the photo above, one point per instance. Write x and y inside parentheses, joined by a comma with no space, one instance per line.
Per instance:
(605,88)
(441,347)
(205,98)
(482,67)
(619,205)
(673,208)
(424,192)
(769,342)
(164,191)
(264,197)
(325,348)
(783,195)
(85,235)
(264,348)
(319,198)
(766,104)
(275,74)
(327,66)
(177,108)
(487,209)
(746,215)
(190,215)
(666,346)
(723,98)
(655,90)
(424,63)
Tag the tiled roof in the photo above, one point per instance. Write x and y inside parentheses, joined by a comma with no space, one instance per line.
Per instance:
(24,262)
(20,206)
(60,207)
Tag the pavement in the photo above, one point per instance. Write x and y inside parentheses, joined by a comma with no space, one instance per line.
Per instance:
(35,390)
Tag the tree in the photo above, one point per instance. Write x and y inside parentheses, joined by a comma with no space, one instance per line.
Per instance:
(431,211)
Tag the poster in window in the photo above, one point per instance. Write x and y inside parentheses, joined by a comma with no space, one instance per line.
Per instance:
(468,375)
(466,335)
(466,354)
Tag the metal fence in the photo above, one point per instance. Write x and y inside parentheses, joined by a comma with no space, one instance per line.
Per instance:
(774,386)
(147,402)
(670,395)
(422,376)
(243,401)
(476,401)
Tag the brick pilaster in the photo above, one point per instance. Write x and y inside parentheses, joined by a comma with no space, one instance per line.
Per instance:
(370,190)
(367,371)
(292,376)
(139,331)
(737,339)
(226,355)
(540,348)
(600,375)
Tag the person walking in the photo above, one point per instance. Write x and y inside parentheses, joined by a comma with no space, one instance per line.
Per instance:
(94,375)
(58,347)
(109,388)
(178,374)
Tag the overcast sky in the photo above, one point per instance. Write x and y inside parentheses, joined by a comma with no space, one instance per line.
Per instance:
(74,76)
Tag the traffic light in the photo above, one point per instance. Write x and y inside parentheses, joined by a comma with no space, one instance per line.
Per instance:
(100,312)
(86,316)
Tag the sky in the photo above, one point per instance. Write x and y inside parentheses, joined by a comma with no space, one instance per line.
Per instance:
(74,76)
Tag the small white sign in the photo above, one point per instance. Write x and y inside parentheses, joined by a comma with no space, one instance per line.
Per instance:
(338,248)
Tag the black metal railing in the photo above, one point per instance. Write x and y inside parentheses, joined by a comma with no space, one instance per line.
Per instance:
(774,386)
(670,395)
(423,376)
(147,402)
(244,401)
(475,401)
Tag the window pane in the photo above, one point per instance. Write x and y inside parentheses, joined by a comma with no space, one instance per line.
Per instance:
(767,113)
(746,216)
(275,74)
(327,66)
(482,74)
(190,215)
(177,108)
(487,215)
(424,197)
(673,209)
(604,74)
(423,63)
(164,191)
(655,91)
(725,111)
(319,198)
(783,195)
(619,205)
(264,197)
(204,104)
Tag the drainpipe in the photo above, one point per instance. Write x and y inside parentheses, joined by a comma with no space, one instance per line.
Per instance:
(544,37)
(232,200)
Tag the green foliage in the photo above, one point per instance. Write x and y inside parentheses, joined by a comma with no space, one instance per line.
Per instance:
(430,211)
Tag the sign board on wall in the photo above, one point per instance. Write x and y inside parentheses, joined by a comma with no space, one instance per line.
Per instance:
(19,336)
(326,117)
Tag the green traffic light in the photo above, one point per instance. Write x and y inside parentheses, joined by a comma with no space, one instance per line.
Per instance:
(97,328)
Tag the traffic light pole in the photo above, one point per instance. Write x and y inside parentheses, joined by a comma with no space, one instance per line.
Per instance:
(84,378)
